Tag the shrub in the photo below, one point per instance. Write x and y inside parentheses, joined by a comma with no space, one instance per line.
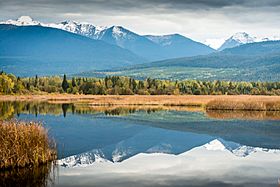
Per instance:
(24,144)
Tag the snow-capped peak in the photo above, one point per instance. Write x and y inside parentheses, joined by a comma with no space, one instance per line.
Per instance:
(118,32)
(25,19)
(22,21)
(85,29)
(243,38)
(237,39)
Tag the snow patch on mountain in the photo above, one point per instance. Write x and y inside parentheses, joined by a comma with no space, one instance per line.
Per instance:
(241,38)
(85,29)
(21,21)
(118,32)
(163,40)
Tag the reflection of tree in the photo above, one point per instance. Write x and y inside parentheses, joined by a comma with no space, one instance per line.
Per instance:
(64,109)
(240,114)
(10,109)
(126,110)
(6,110)
(35,176)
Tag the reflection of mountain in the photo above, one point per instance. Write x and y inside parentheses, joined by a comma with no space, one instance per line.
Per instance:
(162,131)
(120,152)
(146,141)
(236,149)
(198,167)
(246,132)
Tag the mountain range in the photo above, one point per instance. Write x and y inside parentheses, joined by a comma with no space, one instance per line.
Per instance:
(119,33)
(31,50)
(31,47)
(250,62)
(143,46)
(241,38)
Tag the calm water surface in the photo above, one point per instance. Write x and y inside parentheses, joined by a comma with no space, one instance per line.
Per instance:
(101,146)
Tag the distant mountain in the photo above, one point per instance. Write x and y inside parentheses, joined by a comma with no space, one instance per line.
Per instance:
(30,50)
(241,38)
(236,40)
(85,29)
(154,47)
(147,47)
(139,45)
(176,45)
(249,62)
(22,21)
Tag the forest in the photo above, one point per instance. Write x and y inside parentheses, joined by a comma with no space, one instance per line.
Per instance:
(119,85)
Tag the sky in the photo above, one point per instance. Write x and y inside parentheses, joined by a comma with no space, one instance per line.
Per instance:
(200,20)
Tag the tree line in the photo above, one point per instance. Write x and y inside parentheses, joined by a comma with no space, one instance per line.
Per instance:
(117,85)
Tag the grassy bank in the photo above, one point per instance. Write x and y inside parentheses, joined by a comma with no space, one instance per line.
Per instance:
(24,144)
(248,105)
(210,102)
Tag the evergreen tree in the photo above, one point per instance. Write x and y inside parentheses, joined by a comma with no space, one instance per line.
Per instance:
(64,84)
(36,82)
(74,84)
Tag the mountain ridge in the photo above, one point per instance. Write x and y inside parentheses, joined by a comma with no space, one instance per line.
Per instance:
(30,50)
(122,37)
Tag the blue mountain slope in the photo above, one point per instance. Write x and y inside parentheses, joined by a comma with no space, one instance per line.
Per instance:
(30,50)
(126,39)
(248,62)
(176,45)
(154,47)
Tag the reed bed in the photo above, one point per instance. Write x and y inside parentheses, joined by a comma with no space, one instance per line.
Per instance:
(24,144)
(249,105)
(210,102)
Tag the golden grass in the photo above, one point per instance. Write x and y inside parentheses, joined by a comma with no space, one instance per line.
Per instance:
(210,102)
(249,105)
(24,144)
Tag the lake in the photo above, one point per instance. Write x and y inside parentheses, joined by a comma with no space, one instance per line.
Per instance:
(151,146)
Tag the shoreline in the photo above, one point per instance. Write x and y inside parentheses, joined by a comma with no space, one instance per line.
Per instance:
(209,102)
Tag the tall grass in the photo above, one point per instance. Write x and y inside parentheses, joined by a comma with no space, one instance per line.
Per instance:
(24,144)
(250,105)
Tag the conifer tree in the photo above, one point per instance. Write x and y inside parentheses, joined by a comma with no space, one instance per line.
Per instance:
(64,84)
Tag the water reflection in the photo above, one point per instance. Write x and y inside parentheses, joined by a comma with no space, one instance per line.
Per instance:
(41,176)
(154,145)
(247,115)
(217,163)
(11,109)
